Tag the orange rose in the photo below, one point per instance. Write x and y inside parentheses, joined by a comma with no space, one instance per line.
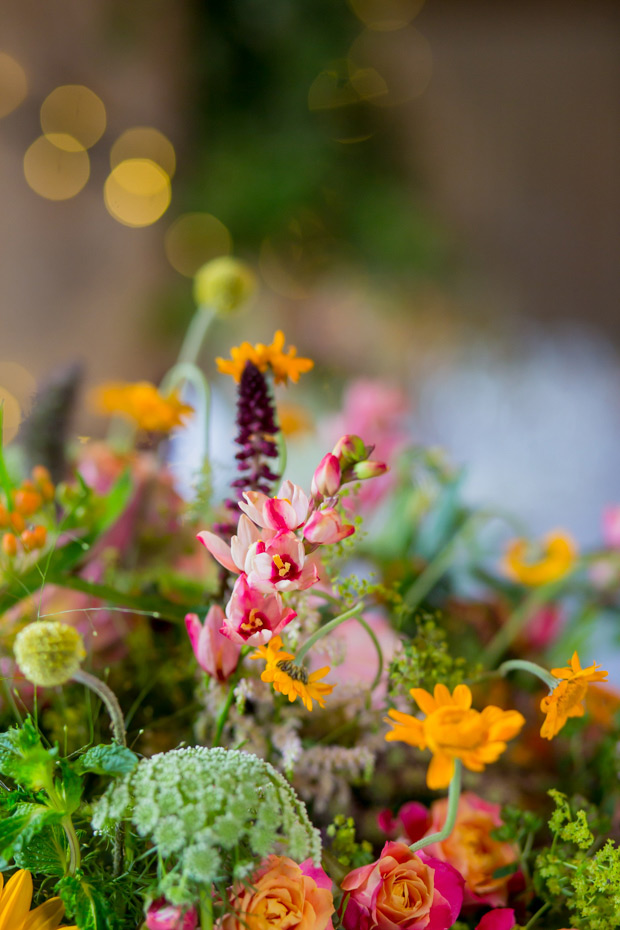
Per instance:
(282,896)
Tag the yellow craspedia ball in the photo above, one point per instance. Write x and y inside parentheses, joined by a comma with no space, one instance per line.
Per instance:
(224,284)
(49,652)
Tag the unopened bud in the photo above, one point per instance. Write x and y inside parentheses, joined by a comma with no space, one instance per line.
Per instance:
(350,449)
(327,477)
(9,544)
(224,284)
(326,527)
(363,470)
(48,652)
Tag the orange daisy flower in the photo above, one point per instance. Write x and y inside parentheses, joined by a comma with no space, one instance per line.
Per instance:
(284,365)
(143,403)
(537,565)
(452,730)
(293,681)
(567,700)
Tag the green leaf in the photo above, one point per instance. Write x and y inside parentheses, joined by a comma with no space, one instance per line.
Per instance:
(107,759)
(26,821)
(84,904)
(45,853)
(69,786)
(24,759)
(115,501)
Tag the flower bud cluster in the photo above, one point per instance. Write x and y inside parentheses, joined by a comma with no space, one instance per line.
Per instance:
(19,530)
(209,813)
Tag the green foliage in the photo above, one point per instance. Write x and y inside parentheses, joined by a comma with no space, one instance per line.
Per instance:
(517,825)
(107,759)
(25,821)
(44,853)
(350,853)
(88,905)
(425,660)
(24,759)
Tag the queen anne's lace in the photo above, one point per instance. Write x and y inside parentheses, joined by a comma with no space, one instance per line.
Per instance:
(211,813)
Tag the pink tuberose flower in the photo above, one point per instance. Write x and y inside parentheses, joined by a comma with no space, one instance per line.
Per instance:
(216,654)
(326,527)
(402,890)
(501,918)
(164,916)
(252,616)
(232,556)
(327,477)
(287,511)
(280,564)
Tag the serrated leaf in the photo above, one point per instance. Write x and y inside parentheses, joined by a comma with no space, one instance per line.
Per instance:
(84,904)
(107,759)
(45,853)
(24,759)
(69,786)
(25,822)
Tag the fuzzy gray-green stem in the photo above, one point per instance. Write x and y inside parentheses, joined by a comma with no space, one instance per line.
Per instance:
(324,630)
(454,793)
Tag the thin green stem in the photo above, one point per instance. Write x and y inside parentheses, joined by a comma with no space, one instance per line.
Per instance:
(538,914)
(75,856)
(222,717)
(186,372)
(108,697)
(375,641)
(195,335)
(282,451)
(532,667)
(155,607)
(454,793)
(5,479)
(324,630)
(206,911)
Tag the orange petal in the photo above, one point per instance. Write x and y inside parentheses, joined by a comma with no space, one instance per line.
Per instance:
(425,701)
(45,917)
(440,771)
(15,901)
(462,696)
(442,695)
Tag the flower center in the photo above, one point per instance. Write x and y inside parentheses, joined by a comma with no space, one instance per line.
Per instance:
(454,729)
(296,672)
(253,622)
(283,568)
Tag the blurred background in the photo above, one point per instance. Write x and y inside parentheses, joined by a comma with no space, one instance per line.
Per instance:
(428,191)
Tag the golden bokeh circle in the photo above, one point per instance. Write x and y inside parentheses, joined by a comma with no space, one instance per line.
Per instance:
(137,192)
(388,69)
(13,84)
(144,142)
(75,111)
(196,238)
(56,172)
(18,381)
(11,415)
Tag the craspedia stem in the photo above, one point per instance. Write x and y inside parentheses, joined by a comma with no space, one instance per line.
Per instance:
(108,697)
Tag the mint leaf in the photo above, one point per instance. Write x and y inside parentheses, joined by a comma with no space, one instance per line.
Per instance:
(26,821)
(45,853)
(84,904)
(23,757)
(107,759)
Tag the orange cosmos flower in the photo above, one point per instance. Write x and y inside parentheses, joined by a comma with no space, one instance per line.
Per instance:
(453,730)
(284,365)
(567,700)
(293,681)
(142,403)
(536,565)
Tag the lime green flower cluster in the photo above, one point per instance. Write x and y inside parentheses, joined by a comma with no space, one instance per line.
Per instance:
(210,813)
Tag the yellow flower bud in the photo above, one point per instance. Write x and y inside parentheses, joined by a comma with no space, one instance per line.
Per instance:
(224,284)
(48,652)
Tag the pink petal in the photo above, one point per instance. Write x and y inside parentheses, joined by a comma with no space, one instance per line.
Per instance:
(218,549)
(502,918)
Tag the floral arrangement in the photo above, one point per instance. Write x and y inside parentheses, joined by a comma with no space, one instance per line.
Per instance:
(299,709)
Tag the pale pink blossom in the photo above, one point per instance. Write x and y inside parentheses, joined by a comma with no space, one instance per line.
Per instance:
(232,556)
(326,527)
(252,616)
(161,915)
(286,511)
(280,564)
(327,476)
(216,654)
(611,526)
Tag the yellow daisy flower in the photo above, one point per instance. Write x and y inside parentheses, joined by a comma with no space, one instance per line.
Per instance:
(142,403)
(284,365)
(567,700)
(453,730)
(15,900)
(293,681)
(536,565)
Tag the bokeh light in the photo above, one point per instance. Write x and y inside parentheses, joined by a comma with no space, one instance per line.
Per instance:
(196,238)
(386,15)
(11,415)
(388,69)
(332,88)
(18,381)
(137,192)
(13,84)
(144,142)
(56,166)
(75,111)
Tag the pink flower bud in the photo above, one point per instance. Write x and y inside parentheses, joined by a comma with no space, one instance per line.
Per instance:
(351,449)
(326,479)
(216,654)
(164,916)
(363,470)
(326,527)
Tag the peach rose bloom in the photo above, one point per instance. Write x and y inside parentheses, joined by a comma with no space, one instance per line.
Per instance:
(282,895)
(471,849)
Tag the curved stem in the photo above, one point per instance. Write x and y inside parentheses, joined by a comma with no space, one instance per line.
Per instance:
(282,450)
(195,335)
(187,372)
(324,630)
(107,696)
(454,793)
(375,641)
(75,856)
(531,667)
(222,717)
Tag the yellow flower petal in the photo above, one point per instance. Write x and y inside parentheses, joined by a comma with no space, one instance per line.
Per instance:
(440,771)
(15,900)
(45,917)
(425,701)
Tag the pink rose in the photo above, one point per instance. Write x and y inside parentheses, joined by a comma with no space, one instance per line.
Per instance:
(217,655)
(402,890)
(501,918)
